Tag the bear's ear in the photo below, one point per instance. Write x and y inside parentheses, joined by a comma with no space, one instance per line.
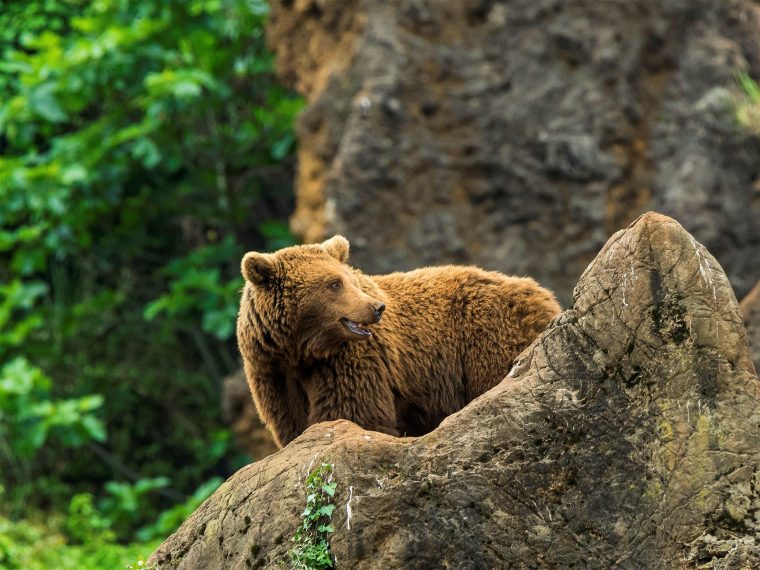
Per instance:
(258,268)
(337,246)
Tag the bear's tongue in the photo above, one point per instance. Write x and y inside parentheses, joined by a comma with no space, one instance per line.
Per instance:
(356,328)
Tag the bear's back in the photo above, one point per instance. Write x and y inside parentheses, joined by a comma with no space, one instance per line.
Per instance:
(456,331)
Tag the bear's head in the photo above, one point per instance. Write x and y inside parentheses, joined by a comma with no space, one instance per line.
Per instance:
(309,298)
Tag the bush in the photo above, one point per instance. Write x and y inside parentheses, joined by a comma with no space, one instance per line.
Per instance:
(144,146)
(29,545)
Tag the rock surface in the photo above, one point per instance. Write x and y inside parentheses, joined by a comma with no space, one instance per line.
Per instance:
(750,308)
(240,414)
(518,135)
(627,435)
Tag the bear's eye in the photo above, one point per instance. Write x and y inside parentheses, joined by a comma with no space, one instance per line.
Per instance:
(335,285)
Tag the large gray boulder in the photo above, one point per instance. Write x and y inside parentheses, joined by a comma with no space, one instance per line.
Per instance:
(518,135)
(627,435)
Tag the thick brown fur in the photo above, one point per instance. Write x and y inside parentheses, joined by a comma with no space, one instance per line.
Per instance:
(447,335)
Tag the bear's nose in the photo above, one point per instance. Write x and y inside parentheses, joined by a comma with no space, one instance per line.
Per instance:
(379,308)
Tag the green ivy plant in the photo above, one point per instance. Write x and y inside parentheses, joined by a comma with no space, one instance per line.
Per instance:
(312,549)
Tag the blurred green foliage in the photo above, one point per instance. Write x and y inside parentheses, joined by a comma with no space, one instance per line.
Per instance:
(29,414)
(749,108)
(170,519)
(35,545)
(144,146)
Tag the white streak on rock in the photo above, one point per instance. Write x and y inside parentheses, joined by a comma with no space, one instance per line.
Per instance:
(348,506)
(704,270)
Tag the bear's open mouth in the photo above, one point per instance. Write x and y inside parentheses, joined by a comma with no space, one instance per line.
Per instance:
(356,328)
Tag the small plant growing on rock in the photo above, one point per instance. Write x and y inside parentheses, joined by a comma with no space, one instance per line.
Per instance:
(749,111)
(312,550)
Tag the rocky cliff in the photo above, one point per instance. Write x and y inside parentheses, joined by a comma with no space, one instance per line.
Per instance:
(518,135)
(627,435)
(750,308)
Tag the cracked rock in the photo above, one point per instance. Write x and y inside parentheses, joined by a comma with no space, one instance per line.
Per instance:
(627,435)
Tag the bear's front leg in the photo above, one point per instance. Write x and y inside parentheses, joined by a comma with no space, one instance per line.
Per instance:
(280,401)
(361,398)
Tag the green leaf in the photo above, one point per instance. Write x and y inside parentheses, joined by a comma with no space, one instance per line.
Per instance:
(220,323)
(750,87)
(154,308)
(33,438)
(282,147)
(19,377)
(94,428)
(73,174)
(145,150)
(89,403)
(146,485)
(259,7)
(43,101)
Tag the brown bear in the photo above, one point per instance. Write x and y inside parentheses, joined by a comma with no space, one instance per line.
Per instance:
(393,353)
